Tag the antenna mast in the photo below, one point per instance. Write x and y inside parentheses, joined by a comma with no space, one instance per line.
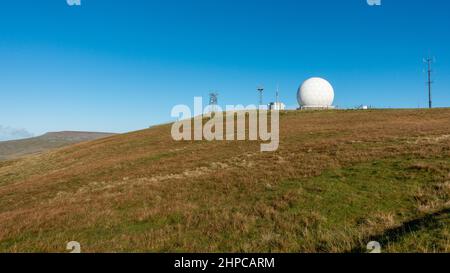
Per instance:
(429,61)
(278,94)
(213,100)
(261,91)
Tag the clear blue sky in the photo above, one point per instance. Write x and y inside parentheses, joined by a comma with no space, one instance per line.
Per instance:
(122,65)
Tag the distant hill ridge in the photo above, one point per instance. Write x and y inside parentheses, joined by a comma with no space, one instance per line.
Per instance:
(75,135)
(17,148)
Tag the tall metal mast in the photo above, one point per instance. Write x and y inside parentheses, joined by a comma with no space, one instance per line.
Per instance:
(213,100)
(261,91)
(429,61)
(278,95)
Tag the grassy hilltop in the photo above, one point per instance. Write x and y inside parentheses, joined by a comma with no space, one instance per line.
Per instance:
(339,180)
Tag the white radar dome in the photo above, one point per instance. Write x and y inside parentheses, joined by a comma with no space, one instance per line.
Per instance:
(316,93)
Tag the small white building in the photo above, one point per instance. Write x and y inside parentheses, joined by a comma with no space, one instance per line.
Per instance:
(277,106)
(363,107)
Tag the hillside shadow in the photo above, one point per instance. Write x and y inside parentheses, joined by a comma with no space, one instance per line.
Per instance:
(430,221)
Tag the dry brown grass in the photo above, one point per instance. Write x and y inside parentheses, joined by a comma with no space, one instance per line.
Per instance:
(143,191)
